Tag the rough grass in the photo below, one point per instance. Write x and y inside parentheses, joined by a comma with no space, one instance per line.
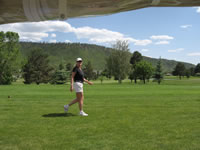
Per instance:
(121,117)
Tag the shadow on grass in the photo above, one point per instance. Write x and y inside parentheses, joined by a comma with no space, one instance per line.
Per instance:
(59,115)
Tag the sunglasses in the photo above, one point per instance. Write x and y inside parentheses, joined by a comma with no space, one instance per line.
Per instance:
(79,61)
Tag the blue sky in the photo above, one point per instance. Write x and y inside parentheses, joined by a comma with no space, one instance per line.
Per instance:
(170,33)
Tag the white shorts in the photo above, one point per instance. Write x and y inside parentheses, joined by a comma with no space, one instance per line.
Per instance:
(78,87)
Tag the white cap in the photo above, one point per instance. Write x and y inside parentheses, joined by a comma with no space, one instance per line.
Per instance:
(79,59)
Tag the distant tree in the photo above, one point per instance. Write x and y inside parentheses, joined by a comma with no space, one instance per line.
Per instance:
(69,67)
(158,75)
(192,71)
(179,70)
(132,75)
(88,71)
(144,70)
(59,77)
(106,73)
(136,57)
(101,78)
(94,76)
(197,68)
(37,68)
(188,73)
(9,56)
(118,62)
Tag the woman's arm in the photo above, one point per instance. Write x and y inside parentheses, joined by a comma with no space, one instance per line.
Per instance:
(72,81)
(88,82)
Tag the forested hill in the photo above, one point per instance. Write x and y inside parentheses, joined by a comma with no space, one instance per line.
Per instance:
(68,52)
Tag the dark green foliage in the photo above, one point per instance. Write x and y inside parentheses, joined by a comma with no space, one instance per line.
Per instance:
(136,57)
(37,69)
(144,70)
(69,67)
(118,62)
(179,70)
(192,71)
(88,71)
(188,73)
(9,56)
(133,75)
(197,68)
(158,75)
(106,73)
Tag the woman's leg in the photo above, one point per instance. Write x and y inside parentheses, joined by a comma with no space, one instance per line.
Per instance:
(78,98)
(81,101)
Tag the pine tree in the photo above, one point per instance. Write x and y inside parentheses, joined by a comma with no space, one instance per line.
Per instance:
(88,71)
(37,69)
(60,76)
(158,75)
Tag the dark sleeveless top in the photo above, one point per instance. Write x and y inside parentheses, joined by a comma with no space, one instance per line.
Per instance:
(79,75)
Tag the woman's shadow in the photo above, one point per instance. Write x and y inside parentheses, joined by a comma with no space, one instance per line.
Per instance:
(59,115)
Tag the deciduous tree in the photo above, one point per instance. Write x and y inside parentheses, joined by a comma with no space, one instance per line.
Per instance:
(118,62)
(9,56)
(179,70)
(144,70)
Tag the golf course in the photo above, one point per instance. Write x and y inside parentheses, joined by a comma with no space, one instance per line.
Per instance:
(123,116)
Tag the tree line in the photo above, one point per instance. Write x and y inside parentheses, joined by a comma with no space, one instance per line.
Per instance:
(36,67)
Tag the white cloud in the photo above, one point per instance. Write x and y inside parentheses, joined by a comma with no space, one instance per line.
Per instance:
(162,43)
(144,50)
(32,36)
(53,35)
(194,54)
(38,31)
(176,50)
(186,26)
(161,37)
(52,41)
(142,42)
(68,41)
(198,9)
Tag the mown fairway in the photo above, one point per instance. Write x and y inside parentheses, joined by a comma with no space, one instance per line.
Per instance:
(121,117)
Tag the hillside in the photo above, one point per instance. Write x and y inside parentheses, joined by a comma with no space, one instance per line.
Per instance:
(168,65)
(68,52)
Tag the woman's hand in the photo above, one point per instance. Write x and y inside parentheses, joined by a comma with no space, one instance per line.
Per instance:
(90,83)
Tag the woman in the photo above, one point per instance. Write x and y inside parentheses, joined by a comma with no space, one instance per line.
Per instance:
(77,80)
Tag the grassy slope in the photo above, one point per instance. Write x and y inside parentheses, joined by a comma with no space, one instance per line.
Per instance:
(120,117)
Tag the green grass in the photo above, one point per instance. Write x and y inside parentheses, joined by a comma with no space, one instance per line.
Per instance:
(121,117)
